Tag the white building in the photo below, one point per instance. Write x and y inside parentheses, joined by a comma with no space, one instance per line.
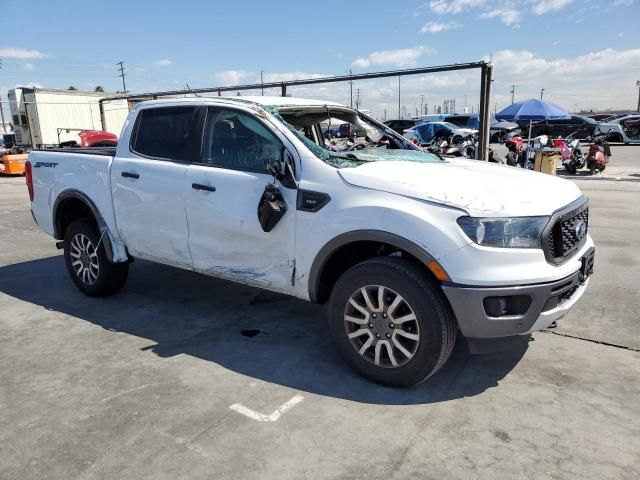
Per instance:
(44,117)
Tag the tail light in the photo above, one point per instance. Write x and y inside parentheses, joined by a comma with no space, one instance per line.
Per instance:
(29,177)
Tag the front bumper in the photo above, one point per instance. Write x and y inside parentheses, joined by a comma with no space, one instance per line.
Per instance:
(535,306)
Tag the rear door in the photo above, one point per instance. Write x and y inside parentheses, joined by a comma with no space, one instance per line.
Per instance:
(148,183)
(223,190)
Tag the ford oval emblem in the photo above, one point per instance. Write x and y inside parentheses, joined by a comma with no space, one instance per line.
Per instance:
(580,228)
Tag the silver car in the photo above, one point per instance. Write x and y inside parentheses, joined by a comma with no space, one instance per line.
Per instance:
(625,129)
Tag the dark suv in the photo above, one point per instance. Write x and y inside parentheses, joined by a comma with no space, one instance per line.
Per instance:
(400,126)
(584,126)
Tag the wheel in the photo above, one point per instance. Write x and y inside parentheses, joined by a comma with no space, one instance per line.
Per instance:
(87,262)
(391,322)
(571,168)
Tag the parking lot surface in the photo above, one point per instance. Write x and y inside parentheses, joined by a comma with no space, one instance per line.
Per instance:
(185,376)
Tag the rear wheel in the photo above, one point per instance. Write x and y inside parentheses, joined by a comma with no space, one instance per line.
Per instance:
(391,322)
(512,158)
(87,262)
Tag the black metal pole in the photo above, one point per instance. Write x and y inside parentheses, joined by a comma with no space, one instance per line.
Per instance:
(486,73)
(311,81)
(103,122)
(399,116)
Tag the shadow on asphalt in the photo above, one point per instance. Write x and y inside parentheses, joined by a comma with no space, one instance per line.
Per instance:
(267,336)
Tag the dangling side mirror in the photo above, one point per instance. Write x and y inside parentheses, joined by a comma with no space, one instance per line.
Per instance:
(282,169)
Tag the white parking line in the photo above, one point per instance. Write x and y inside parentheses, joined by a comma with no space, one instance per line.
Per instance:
(261,417)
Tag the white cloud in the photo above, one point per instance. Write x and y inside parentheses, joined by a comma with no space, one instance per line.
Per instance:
(232,77)
(165,62)
(405,57)
(282,76)
(443,7)
(28,66)
(509,16)
(623,3)
(435,27)
(13,52)
(541,7)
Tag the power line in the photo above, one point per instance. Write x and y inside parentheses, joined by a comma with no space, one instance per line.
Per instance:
(122,74)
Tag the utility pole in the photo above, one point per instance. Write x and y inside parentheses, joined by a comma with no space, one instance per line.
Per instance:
(513,94)
(638,85)
(122,75)
(4,126)
(357,99)
(350,89)
(541,93)
(399,97)
(421,104)
(261,84)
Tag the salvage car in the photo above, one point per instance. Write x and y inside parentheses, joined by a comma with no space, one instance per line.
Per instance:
(623,129)
(424,133)
(579,126)
(409,250)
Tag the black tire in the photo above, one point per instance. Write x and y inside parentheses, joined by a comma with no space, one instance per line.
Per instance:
(102,281)
(571,168)
(435,323)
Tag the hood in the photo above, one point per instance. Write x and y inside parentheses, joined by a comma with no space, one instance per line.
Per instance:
(477,187)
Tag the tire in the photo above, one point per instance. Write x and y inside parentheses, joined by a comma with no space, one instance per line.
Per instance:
(95,276)
(428,338)
(571,168)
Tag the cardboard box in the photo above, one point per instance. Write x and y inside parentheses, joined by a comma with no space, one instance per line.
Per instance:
(545,162)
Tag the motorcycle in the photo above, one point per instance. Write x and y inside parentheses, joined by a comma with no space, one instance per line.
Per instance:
(598,156)
(461,147)
(572,157)
(515,146)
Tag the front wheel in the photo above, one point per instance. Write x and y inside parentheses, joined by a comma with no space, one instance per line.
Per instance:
(391,321)
(87,262)
(571,168)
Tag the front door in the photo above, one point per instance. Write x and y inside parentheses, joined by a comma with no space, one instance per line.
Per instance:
(223,190)
(148,184)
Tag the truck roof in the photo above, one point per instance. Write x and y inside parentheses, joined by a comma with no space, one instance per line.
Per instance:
(260,100)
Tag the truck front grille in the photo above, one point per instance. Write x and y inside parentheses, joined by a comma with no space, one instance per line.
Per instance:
(568,232)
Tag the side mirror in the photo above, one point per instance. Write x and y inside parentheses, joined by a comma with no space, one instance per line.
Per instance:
(282,169)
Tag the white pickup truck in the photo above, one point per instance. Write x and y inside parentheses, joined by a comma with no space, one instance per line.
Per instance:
(409,249)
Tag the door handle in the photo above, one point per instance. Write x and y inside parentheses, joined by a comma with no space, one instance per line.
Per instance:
(200,186)
(130,175)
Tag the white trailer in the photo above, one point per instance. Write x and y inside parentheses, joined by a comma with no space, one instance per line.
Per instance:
(44,117)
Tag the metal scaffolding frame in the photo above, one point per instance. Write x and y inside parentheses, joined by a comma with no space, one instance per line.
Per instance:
(486,75)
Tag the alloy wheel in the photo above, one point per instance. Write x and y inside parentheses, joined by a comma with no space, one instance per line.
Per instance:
(381,326)
(84,259)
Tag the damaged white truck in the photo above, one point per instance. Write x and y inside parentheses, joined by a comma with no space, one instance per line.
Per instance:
(409,249)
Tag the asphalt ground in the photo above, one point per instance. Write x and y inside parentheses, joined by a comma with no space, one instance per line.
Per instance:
(183,376)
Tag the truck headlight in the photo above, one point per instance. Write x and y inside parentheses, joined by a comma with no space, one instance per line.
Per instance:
(517,232)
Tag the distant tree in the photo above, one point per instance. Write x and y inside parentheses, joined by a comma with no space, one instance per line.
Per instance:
(72,88)
(99,89)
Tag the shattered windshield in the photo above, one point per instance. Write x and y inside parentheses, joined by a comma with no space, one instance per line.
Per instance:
(344,138)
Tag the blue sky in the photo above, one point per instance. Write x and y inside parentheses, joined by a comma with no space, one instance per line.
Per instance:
(585,53)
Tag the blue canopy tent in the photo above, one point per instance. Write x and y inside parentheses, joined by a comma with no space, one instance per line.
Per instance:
(533,110)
